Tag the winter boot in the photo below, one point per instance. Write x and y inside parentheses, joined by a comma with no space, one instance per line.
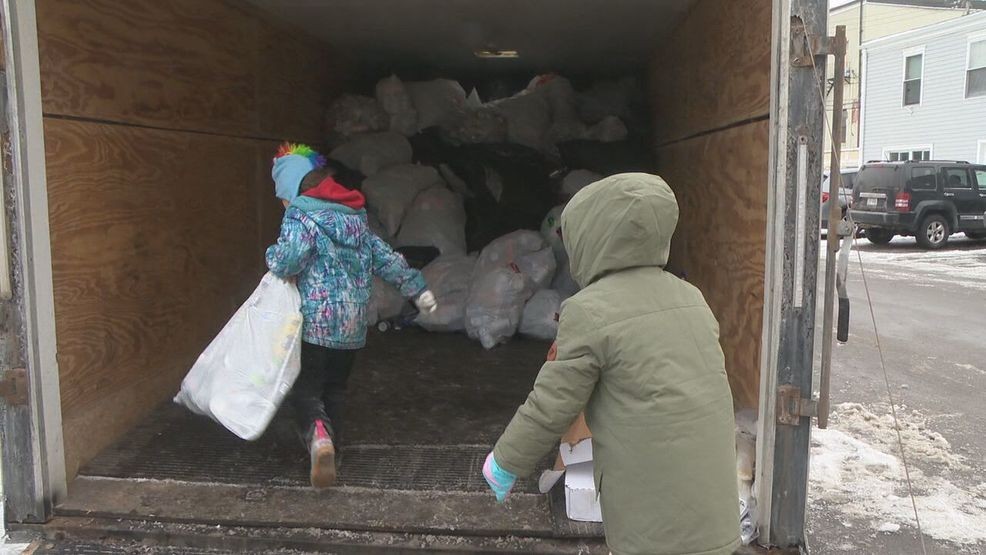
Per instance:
(323,456)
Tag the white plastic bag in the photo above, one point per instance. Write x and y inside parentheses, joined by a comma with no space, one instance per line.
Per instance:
(373,152)
(610,130)
(244,374)
(390,192)
(479,125)
(438,102)
(540,318)
(565,122)
(449,278)
(564,283)
(436,218)
(386,302)
(746,456)
(539,267)
(508,272)
(528,119)
(551,231)
(396,101)
(576,180)
(506,250)
(746,422)
(351,115)
(496,303)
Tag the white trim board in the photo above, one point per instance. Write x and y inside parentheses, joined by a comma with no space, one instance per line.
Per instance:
(30,192)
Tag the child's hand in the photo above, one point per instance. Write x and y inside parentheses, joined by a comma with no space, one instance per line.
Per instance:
(426,302)
(499,480)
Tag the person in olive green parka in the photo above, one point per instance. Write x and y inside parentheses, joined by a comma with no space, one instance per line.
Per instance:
(638,349)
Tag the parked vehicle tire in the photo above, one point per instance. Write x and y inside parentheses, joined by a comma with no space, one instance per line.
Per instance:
(933,232)
(976,235)
(878,236)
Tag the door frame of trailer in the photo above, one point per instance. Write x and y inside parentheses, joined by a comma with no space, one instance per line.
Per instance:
(787,345)
(31,439)
(32,446)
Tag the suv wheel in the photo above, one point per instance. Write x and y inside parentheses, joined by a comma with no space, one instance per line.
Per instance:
(878,236)
(933,232)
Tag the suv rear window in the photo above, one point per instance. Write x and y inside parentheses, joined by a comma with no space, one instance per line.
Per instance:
(876,177)
(981,178)
(923,178)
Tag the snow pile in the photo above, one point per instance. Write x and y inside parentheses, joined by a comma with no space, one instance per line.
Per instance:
(921,444)
(861,479)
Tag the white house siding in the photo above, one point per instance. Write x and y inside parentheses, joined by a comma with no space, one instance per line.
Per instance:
(879,20)
(951,124)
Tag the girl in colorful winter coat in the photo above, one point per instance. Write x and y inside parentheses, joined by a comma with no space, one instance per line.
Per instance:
(326,244)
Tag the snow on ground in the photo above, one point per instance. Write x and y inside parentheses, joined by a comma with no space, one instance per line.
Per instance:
(961,262)
(856,472)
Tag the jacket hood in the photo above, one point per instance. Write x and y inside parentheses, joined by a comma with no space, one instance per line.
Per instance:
(620,222)
(331,190)
(343,225)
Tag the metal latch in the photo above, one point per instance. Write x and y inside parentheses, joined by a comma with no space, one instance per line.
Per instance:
(13,387)
(804,47)
(791,406)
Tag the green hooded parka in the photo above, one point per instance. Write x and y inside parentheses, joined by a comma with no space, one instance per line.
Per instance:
(638,349)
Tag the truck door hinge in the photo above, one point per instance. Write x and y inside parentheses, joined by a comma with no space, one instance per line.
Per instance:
(792,407)
(13,387)
(804,47)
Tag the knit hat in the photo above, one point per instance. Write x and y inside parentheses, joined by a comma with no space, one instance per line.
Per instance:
(291,164)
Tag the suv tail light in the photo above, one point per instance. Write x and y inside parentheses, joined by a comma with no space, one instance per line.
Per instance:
(903,202)
(825,196)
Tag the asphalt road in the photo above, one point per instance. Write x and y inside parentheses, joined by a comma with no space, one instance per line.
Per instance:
(930,309)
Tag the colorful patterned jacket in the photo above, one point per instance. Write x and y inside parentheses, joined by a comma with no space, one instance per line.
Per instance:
(330,248)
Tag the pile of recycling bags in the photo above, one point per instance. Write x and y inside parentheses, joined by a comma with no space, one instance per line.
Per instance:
(482,185)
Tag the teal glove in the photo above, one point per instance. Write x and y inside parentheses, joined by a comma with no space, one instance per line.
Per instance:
(500,480)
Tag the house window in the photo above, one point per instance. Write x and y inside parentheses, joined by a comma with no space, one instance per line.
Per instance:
(975,76)
(913,73)
(905,154)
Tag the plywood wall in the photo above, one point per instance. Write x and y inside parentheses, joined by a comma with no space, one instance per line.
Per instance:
(709,87)
(160,122)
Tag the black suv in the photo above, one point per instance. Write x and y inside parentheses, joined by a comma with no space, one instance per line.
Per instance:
(925,198)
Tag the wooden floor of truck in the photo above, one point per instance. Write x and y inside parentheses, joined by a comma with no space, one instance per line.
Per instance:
(423,412)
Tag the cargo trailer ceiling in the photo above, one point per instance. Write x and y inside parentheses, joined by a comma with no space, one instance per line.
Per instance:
(582,36)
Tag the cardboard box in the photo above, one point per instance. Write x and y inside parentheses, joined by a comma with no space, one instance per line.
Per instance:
(574,461)
(581,501)
(568,450)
